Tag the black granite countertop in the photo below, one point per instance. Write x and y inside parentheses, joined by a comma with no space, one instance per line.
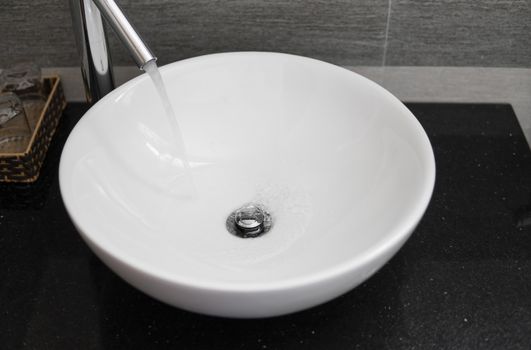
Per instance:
(463,280)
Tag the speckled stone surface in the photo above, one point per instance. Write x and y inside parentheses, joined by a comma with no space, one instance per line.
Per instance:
(463,280)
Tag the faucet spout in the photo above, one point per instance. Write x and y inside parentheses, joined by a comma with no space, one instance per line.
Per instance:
(96,66)
(128,35)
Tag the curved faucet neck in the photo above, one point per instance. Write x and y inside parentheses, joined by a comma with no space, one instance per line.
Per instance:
(96,66)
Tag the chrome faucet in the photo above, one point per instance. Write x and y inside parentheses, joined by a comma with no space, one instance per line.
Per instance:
(91,40)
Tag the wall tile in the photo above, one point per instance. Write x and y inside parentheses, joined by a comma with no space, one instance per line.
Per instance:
(345,32)
(36,30)
(340,31)
(460,33)
(348,32)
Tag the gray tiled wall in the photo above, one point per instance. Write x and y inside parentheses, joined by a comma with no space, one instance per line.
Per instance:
(460,33)
(345,32)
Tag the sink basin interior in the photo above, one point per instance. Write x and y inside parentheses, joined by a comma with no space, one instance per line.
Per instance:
(344,168)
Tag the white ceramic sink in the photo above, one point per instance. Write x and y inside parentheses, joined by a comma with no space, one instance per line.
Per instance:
(344,168)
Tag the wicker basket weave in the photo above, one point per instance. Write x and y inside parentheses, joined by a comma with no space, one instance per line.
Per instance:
(25,166)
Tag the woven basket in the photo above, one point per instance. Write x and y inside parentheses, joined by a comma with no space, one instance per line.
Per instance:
(25,166)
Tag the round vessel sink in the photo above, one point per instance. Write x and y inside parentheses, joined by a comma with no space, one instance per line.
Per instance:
(340,169)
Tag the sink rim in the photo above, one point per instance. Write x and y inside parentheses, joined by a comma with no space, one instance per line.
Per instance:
(392,239)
